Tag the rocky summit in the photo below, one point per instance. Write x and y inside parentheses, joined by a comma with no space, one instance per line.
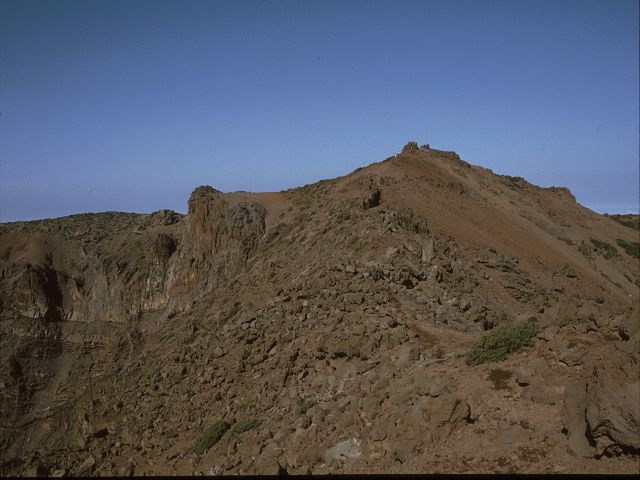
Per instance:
(418,315)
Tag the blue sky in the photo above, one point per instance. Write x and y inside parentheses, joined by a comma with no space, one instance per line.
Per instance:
(129,105)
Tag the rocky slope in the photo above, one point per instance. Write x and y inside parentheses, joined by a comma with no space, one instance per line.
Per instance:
(324,329)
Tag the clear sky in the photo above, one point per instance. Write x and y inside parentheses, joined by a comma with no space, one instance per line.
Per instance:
(129,105)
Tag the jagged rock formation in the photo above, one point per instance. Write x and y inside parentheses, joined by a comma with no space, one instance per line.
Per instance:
(329,325)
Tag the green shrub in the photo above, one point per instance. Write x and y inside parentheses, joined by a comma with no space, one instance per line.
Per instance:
(632,248)
(211,436)
(631,221)
(608,250)
(303,407)
(504,339)
(245,425)
(568,241)
(247,405)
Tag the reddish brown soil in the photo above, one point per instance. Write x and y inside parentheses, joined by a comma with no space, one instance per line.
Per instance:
(340,316)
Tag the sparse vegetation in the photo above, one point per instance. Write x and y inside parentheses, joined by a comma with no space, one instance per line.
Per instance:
(631,221)
(210,437)
(568,241)
(246,405)
(340,215)
(232,312)
(632,248)
(607,250)
(304,406)
(245,425)
(504,339)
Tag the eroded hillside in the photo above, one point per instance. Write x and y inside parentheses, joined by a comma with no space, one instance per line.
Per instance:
(324,329)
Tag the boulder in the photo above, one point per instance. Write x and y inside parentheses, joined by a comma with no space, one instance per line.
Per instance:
(346,449)
(613,411)
(427,251)
(574,423)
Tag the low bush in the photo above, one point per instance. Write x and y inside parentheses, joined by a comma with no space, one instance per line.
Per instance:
(567,240)
(631,221)
(211,436)
(632,248)
(504,339)
(608,250)
(303,407)
(245,425)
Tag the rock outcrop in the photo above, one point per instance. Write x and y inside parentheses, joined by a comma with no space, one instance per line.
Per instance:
(327,328)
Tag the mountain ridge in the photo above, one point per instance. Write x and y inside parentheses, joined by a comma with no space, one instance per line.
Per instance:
(357,298)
